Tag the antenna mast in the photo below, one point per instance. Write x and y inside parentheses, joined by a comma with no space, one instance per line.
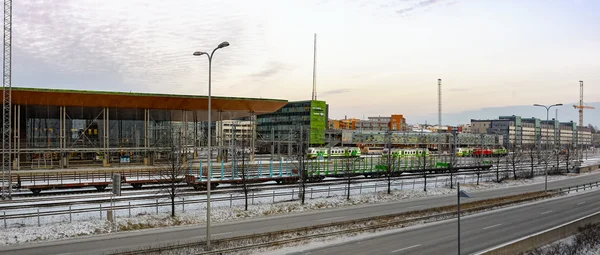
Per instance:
(439,103)
(439,145)
(314,90)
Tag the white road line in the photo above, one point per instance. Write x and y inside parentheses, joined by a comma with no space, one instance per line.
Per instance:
(546,212)
(226,233)
(492,226)
(415,206)
(334,218)
(580,203)
(414,246)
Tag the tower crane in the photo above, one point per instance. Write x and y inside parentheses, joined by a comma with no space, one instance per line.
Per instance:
(581,106)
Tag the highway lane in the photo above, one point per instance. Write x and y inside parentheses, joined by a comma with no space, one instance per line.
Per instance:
(478,232)
(108,242)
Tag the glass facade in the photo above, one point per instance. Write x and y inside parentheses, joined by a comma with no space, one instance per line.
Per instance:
(286,122)
(90,134)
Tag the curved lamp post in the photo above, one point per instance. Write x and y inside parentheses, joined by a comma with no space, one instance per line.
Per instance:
(209,175)
(547,137)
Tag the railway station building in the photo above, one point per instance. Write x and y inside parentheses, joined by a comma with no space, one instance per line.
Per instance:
(54,128)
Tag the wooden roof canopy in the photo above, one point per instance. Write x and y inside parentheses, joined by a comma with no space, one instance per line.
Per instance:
(230,107)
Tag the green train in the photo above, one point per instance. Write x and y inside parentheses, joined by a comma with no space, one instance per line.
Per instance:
(477,152)
(403,153)
(336,152)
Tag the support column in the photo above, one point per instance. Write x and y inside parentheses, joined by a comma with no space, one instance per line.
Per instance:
(279,144)
(252,135)
(185,137)
(195,134)
(219,136)
(146,137)
(16,136)
(106,160)
(290,143)
(63,138)
(272,143)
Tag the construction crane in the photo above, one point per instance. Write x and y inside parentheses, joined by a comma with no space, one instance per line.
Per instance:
(581,106)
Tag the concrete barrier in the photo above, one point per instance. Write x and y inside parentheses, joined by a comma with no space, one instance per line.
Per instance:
(586,169)
(542,238)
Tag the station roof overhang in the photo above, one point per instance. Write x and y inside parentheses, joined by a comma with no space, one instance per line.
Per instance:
(226,107)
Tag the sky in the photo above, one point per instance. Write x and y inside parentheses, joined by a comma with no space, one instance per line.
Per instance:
(374,57)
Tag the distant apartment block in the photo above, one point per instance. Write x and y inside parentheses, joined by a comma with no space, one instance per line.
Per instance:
(518,131)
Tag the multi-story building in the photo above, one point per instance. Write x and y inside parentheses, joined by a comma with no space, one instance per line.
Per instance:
(466,128)
(395,122)
(596,139)
(519,132)
(345,124)
(243,130)
(285,124)
(480,126)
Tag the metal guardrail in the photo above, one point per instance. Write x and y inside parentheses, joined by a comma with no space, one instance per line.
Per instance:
(577,188)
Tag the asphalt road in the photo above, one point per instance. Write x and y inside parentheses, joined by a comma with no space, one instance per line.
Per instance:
(137,239)
(478,232)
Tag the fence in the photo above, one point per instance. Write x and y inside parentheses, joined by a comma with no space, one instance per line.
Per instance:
(254,197)
(272,197)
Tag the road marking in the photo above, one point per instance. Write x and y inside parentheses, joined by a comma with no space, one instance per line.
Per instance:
(414,246)
(492,226)
(334,218)
(580,203)
(415,206)
(546,212)
(226,233)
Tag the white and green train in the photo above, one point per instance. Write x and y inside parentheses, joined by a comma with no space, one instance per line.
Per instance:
(404,153)
(315,152)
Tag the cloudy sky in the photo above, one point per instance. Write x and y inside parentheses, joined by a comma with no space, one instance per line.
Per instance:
(374,57)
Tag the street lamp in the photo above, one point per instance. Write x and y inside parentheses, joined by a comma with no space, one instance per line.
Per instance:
(547,138)
(209,175)
(459,194)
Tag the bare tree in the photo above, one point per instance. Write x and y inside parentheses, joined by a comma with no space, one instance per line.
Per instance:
(173,168)
(301,160)
(348,163)
(568,155)
(531,152)
(498,180)
(389,157)
(515,159)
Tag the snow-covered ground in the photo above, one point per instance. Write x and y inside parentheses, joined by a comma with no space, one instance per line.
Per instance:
(552,248)
(223,209)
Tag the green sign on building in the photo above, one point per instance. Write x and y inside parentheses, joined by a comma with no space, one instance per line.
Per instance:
(318,121)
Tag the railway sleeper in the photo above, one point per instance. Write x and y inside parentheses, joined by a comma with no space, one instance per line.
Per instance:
(100,187)
(137,185)
(35,191)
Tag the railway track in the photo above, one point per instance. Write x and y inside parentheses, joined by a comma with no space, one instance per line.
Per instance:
(131,193)
(153,193)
